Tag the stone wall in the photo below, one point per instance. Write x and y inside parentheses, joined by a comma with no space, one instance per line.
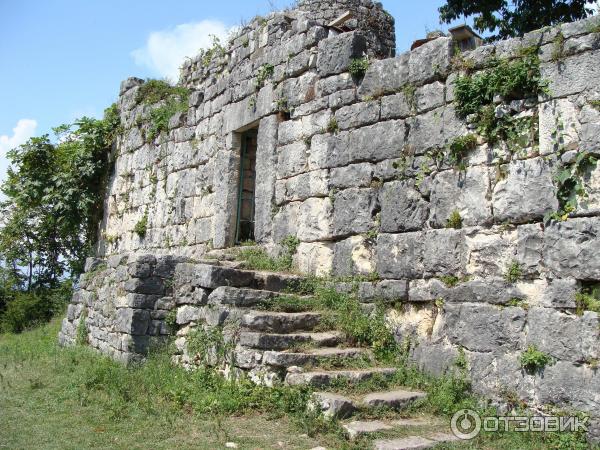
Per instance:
(352,168)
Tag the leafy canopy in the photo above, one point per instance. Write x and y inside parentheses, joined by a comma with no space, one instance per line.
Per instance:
(54,202)
(510,18)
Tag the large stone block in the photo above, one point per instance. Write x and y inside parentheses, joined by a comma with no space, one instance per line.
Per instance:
(572,75)
(337,52)
(132,321)
(571,248)
(484,328)
(435,129)
(430,61)
(462,191)
(563,336)
(421,254)
(358,115)
(315,258)
(353,256)
(373,143)
(301,187)
(315,220)
(385,76)
(403,208)
(526,193)
(354,175)
(354,211)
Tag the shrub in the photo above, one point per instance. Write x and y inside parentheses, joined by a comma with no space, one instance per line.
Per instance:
(588,300)
(141,227)
(359,66)
(514,272)
(454,221)
(174,99)
(460,148)
(533,360)
(332,125)
(28,309)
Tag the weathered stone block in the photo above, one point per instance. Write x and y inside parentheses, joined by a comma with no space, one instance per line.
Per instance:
(571,248)
(484,328)
(354,211)
(149,286)
(358,115)
(354,175)
(132,321)
(337,52)
(403,208)
(385,76)
(526,193)
(462,191)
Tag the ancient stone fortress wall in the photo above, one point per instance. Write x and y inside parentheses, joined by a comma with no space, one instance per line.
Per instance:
(357,168)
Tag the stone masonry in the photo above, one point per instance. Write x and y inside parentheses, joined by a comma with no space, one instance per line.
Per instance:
(348,165)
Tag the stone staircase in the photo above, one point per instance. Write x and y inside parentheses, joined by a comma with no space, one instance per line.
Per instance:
(301,348)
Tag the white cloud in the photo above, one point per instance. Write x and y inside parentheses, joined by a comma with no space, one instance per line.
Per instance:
(166,50)
(21,133)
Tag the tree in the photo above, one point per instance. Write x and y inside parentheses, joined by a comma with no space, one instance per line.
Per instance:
(54,200)
(510,18)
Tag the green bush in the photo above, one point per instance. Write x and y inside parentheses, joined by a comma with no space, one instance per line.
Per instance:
(514,272)
(358,67)
(28,309)
(533,360)
(454,221)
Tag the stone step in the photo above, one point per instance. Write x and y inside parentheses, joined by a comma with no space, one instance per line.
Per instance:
(414,442)
(240,297)
(397,399)
(315,357)
(323,378)
(276,322)
(271,341)
(358,428)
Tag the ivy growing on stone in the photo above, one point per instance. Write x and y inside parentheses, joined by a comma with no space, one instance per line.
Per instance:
(569,181)
(509,80)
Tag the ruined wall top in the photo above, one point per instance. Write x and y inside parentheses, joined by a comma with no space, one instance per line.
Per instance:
(369,17)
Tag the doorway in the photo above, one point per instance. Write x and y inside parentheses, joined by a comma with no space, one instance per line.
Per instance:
(247,184)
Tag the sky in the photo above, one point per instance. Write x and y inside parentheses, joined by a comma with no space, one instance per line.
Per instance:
(63,59)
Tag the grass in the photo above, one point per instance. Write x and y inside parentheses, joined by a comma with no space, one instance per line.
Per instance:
(74,398)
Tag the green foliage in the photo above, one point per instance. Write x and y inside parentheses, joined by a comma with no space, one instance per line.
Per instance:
(332,126)
(533,360)
(215,50)
(454,221)
(155,91)
(514,272)
(171,100)
(25,310)
(265,72)
(503,18)
(258,259)
(141,227)
(208,347)
(410,95)
(558,47)
(518,303)
(570,185)
(588,300)
(515,79)
(450,280)
(81,338)
(54,197)
(595,104)
(460,148)
(358,67)
(171,321)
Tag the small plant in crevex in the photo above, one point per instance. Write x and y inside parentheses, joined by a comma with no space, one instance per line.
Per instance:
(514,272)
(358,67)
(141,227)
(332,126)
(460,148)
(533,360)
(265,72)
(455,220)
(588,300)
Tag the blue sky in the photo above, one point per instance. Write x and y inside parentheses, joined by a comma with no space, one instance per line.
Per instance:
(63,59)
